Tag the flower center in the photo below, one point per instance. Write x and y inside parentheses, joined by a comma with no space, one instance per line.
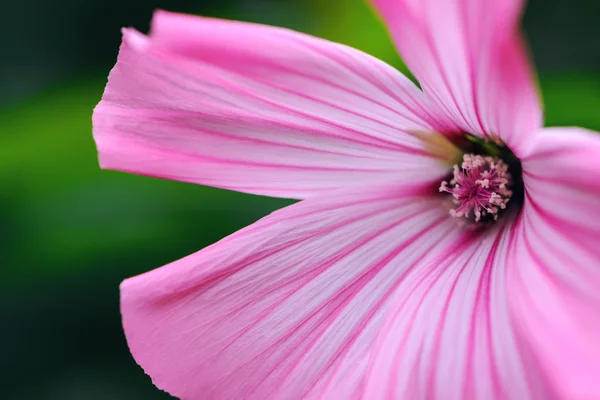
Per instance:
(480,187)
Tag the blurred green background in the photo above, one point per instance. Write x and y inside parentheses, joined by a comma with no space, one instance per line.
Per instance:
(71,232)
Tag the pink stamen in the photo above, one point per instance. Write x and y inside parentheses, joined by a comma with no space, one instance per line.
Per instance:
(479,186)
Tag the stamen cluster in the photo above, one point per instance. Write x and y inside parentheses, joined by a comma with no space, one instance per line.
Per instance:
(479,187)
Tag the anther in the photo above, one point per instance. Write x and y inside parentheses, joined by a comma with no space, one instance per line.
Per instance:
(479,187)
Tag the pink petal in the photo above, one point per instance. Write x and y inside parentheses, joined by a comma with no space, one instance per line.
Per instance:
(469,58)
(555,295)
(287,308)
(262,110)
(448,335)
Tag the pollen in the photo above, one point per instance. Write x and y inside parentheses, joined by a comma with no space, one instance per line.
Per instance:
(479,187)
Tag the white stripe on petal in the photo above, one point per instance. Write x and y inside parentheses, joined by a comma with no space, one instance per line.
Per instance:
(470,60)
(555,288)
(262,110)
(448,335)
(288,307)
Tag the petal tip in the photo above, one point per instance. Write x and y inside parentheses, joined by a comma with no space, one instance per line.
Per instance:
(134,39)
(163,21)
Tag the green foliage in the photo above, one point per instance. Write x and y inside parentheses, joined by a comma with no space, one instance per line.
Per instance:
(357,25)
(572,100)
(63,212)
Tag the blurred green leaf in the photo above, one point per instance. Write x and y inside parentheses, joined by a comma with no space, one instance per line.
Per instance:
(572,100)
(355,24)
(65,213)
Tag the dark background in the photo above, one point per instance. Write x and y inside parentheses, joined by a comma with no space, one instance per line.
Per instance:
(69,232)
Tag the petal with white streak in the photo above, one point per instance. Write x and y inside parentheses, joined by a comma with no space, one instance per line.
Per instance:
(287,308)
(263,110)
(555,278)
(449,335)
(469,58)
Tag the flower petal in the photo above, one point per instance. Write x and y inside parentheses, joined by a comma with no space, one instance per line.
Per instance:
(513,314)
(449,336)
(469,58)
(263,110)
(554,285)
(288,307)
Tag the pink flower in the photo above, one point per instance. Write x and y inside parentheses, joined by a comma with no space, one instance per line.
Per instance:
(398,276)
